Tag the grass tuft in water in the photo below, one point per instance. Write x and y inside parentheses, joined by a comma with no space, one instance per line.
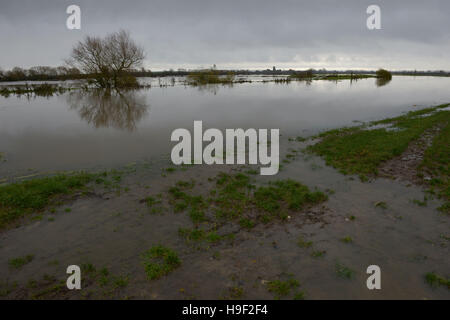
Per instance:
(381,204)
(19,262)
(318,253)
(282,289)
(347,239)
(159,261)
(435,280)
(234,198)
(302,243)
(343,271)
(20,199)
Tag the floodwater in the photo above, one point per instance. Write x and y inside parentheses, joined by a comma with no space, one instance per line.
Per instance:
(110,229)
(79,130)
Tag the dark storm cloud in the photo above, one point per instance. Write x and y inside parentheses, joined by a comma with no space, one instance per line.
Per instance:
(244,33)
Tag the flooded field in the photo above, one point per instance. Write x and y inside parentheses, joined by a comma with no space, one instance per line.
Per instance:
(79,130)
(320,251)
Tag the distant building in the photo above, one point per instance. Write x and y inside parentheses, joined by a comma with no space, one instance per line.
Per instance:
(274,69)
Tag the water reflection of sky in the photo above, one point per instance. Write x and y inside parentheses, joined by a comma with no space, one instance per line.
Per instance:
(75,131)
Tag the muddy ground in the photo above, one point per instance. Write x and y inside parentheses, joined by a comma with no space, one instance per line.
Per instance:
(404,167)
(111,229)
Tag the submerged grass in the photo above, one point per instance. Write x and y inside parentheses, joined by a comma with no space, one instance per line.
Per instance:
(199,235)
(98,283)
(284,288)
(343,271)
(20,199)
(302,243)
(235,199)
(19,262)
(159,261)
(347,239)
(281,196)
(435,280)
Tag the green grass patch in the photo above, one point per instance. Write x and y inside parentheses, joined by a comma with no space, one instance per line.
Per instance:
(234,198)
(246,223)
(420,203)
(88,268)
(284,195)
(302,243)
(183,201)
(343,271)
(160,261)
(150,201)
(198,235)
(19,262)
(154,205)
(381,204)
(282,289)
(435,280)
(300,295)
(120,281)
(185,184)
(197,215)
(347,239)
(20,199)
(318,253)
(233,195)
(358,151)
(235,292)
(237,195)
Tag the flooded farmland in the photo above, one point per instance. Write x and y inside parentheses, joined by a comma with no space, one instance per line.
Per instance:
(326,246)
(82,130)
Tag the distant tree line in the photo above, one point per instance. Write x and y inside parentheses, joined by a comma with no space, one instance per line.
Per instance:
(40,73)
(46,73)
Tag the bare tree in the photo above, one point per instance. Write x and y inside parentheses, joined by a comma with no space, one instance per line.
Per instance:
(108,59)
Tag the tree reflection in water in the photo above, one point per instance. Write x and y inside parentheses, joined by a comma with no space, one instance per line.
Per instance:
(213,87)
(109,108)
(382,82)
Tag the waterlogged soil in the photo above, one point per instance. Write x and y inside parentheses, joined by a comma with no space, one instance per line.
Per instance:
(112,228)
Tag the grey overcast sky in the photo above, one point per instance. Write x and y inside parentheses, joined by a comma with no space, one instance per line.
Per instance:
(249,34)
